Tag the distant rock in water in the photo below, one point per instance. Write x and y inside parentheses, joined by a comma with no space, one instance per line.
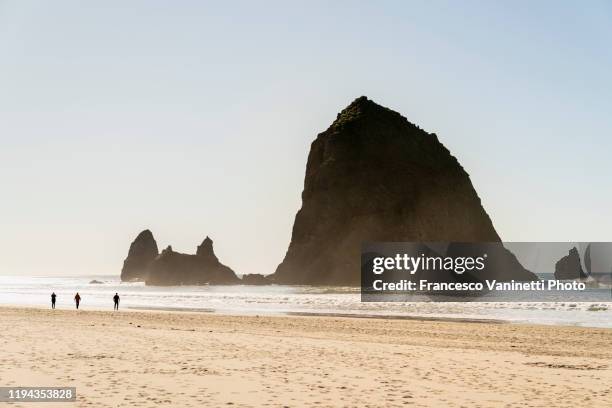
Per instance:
(374,176)
(174,268)
(569,267)
(95,282)
(142,252)
(255,279)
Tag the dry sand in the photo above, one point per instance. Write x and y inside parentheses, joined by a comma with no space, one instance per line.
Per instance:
(147,359)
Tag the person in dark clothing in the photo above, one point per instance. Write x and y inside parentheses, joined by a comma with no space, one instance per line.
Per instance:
(116,299)
(53,296)
(77,299)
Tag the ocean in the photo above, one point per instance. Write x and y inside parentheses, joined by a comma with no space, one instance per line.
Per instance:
(279,300)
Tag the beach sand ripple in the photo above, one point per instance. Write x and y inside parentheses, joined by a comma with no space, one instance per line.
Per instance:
(152,359)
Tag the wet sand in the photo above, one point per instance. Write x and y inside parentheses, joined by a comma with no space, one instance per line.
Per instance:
(154,358)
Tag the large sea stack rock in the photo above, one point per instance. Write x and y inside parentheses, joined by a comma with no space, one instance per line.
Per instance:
(569,267)
(374,176)
(174,268)
(142,252)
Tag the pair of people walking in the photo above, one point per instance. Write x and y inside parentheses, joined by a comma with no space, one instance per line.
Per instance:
(77,300)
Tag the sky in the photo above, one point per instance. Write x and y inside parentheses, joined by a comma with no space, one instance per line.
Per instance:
(194,118)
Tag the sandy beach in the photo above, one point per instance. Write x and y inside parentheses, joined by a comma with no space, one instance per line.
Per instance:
(146,359)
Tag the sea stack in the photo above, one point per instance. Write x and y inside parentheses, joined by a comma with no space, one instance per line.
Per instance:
(255,279)
(374,176)
(569,267)
(174,268)
(142,252)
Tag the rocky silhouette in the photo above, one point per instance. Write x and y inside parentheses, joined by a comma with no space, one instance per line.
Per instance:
(174,268)
(142,252)
(569,267)
(255,279)
(374,176)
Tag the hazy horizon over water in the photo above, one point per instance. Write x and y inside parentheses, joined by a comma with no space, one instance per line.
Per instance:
(280,299)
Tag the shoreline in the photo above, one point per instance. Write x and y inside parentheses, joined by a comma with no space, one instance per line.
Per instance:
(220,312)
(309,301)
(210,311)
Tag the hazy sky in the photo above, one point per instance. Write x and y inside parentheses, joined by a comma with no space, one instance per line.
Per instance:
(195,118)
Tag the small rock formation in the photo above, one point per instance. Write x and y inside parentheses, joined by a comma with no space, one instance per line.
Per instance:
(255,279)
(142,252)
(374,176)
(569,266)
(205,250)
(173,268)
(95,282)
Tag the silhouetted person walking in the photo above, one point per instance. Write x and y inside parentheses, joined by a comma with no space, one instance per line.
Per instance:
(53,296)
(116,299)
(77,299)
